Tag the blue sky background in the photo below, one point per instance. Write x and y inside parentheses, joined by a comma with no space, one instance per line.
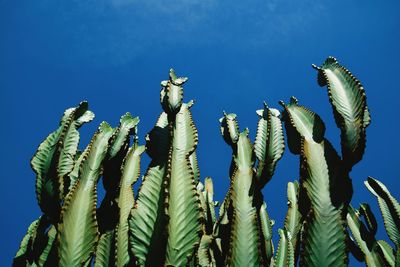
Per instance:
(53,54)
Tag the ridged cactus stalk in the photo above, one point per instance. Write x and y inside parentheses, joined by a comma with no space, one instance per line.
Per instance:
(172,219)
(166,222)
(247,235)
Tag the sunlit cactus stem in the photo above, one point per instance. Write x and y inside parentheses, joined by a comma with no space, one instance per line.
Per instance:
(172,219)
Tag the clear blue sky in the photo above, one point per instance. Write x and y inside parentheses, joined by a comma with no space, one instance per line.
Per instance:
(114,54)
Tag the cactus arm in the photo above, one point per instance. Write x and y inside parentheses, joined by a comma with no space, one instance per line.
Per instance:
(104,250)
(195,166)
(244,239)
(266,229)
(348,100)
(293,219)
(269,144)
(387,252)
(221,230)
(324,232)
(130,174)
(120,140)
(37,248)
(83,116)
(201,191)
(209,204)
(301,122)
(69,148)
(67,157)
(54,159)
(390,209)
(285,253)
(208,245)
(78,231)
(260,143)
(20,257)
(119,145)
(45,258)
(46,187)
(183,207)
(229,128)
(109,212)
(364,239)
(146,223)
(172,93)
(324,243)
(369,218)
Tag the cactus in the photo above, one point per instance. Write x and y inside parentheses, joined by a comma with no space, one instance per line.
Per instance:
(249,236)
(172,219)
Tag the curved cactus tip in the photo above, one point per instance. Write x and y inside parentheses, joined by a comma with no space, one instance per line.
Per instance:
(128,116)
(84,103)
(172,74)
(274,112)
(104,126)
(175,79)
(332,58)
(200,186)
(81,109)
(264,205)
(224,114)
(281,231)
(376,187)
(328,61)
(246,131)
(282,103)
(365,211)
(294,100)
(164,83)
(190,103)
(373,185)
(369,180)
(315,67)
(208,181)
(262,112)
(228,116)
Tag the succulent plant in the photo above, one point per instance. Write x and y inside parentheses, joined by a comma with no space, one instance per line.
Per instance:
(172,219)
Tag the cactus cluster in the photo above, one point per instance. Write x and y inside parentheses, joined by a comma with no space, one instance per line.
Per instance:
(172,219)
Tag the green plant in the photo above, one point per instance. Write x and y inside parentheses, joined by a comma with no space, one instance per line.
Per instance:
(172,221)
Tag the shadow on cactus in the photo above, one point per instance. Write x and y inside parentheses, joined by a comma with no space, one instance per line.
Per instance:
(171,220)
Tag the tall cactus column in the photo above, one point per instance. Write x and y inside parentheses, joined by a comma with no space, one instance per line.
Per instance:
(320,171)
(248,238)
(324,175)
(168,207)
